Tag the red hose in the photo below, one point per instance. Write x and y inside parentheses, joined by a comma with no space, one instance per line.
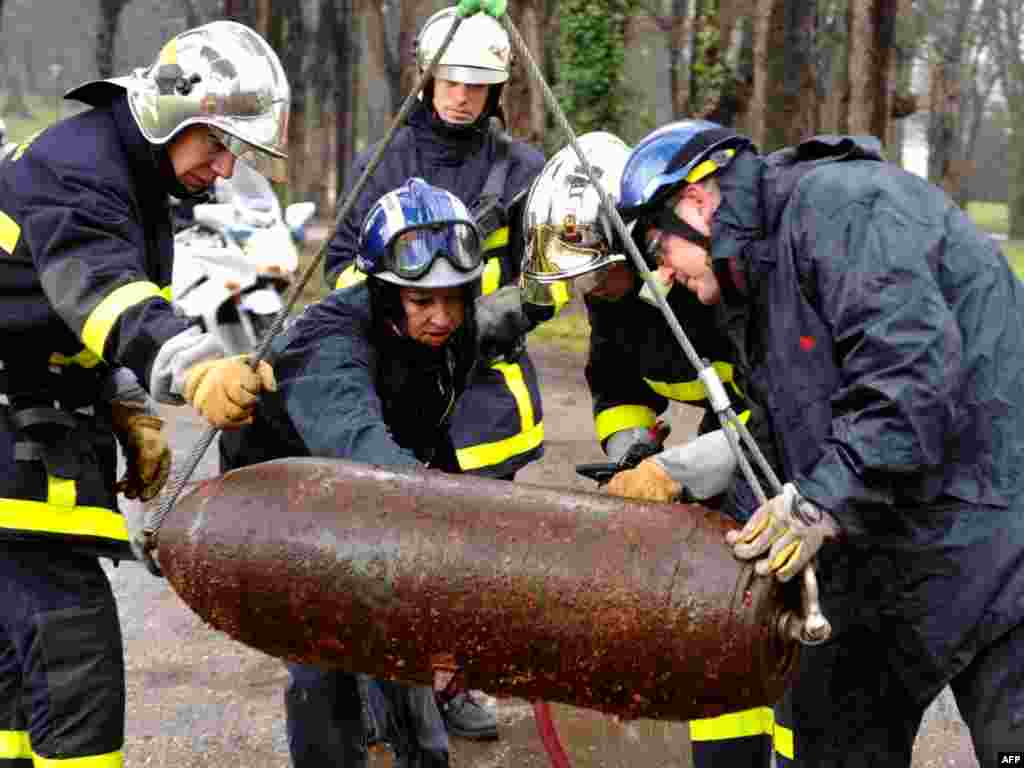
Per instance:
(549,735)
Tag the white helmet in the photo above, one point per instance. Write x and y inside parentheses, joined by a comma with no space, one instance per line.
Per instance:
(479,54)
(222,75)
(3,132)
(568,234)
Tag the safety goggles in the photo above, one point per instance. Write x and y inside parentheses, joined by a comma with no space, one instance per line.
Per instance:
(412,252)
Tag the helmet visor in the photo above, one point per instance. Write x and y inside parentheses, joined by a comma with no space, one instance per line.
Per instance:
(412,251)
(263,162)
(551,258)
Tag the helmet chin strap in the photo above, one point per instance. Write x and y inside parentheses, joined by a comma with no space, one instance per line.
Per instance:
(667,221)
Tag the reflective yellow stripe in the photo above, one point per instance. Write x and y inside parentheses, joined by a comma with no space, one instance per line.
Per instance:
(9,233)
(497,239)
(782,740)
(61,492)
(490,454)
(516,384)
(621,417)
(689,391)
(41,517)
(349,277)
(169,53)
(759,721)
(14,745)
(706,168)
(491,279)
(109,760)
(100,322)
(530,436)
(560,294)
(84,359)
(167,293)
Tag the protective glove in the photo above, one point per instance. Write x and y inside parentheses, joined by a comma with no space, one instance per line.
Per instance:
(225,390)
(647,480)
(777,527)
(139,430)
(495,8)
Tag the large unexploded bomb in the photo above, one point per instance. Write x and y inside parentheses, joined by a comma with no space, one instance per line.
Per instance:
(631,608)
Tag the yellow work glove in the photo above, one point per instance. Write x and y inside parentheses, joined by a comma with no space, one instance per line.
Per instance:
(647,480)
(147,455)
(778,527)
(225,391)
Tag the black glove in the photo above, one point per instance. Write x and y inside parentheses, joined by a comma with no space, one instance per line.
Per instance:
(501,324)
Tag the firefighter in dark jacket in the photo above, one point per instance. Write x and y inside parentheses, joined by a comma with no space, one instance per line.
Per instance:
(373,373)
(635,367)
(451,141)
(883,334)
(85,246)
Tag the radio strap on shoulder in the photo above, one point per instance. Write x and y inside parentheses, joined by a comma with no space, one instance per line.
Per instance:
(488,210)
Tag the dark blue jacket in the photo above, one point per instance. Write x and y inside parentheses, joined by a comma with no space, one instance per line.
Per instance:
(85,247)
(350,388)
(498,426)
(884,335)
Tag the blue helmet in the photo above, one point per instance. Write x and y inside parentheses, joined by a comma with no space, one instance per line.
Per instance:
(420,235)
(683,152)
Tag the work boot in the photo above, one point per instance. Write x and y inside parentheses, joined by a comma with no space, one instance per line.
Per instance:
(467,717)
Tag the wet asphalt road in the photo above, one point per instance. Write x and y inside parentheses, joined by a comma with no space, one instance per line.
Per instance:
(198,698)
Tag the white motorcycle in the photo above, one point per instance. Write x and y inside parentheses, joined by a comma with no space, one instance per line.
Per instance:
(236,259)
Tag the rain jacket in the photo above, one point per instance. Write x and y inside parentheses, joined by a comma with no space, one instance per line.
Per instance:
(498,426)
(85,245)
(884,335)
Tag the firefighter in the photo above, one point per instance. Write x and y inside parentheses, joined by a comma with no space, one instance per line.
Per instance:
(374,373)
(881,332)
(635,368)
(453,140)
(85,245)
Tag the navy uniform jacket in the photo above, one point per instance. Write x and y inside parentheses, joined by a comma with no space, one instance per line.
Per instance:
(498,425)
(884,335)
(349,388)
(85,245)
(636,366)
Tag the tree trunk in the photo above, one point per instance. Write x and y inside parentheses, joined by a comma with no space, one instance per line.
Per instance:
(754,125)
(193,14)
(1016,202)
(110,14)
(945,163)
(347,55)
(859,106)
(242,11)
(678,32)
(290,29)
(522,100)
(800,79)
(774,132)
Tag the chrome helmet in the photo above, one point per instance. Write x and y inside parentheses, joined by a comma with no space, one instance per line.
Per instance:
(569,237)
(222,75)
(421,236)
(479,54)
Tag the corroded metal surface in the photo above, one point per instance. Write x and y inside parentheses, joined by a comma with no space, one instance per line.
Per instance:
(630,608)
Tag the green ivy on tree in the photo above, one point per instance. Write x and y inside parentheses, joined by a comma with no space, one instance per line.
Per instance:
(591,57)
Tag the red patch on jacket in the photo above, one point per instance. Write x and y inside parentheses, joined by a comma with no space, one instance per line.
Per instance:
(807,343)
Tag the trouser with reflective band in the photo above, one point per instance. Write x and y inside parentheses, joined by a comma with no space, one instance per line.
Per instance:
(62,688)
(497,427)
(745,738)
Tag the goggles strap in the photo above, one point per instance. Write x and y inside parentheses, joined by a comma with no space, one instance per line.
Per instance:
(667,221)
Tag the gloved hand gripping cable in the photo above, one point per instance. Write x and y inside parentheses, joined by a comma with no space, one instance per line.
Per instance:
(151,526)
(813,628)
